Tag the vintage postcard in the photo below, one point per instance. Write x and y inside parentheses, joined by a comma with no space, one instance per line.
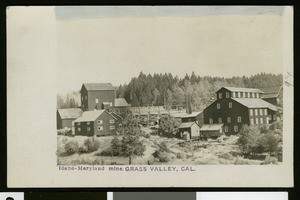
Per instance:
(121,96)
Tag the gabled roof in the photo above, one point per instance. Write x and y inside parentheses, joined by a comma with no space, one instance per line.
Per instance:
(98,86)
(89,116)
(70,113)
(193,114)
(272,90)
(255,103)
(237,89)
(187,124)
(116,116)
(121,102)
(211,127)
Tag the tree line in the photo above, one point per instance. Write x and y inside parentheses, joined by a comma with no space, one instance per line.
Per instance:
(161,89)
(166,89)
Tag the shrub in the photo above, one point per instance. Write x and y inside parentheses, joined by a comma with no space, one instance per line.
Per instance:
(164,157)
(64,140)
(91,144)
(181,155)
(269,160)
(71,147)
(147,135)
(163,146)
(277,125)
(83,149)
(226,156)
(241,161)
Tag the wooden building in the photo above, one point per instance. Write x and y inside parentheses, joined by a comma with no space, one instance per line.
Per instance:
(121,107)
(211,131)
(273,95)
(193,117)
(66,116)
(97,96)
(96,122)
(235,107)
(189,127)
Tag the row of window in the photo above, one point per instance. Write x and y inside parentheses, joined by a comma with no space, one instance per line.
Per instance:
(240,95)
(100,128)
(219,105)
(220,121)
(111,121)
(261,111)
(235,129)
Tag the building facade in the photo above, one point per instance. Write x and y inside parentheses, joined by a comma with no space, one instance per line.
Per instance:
(97,96)
(192,128)
(122,108)
(66,116)
(235,107)
(193,117)
(97,122)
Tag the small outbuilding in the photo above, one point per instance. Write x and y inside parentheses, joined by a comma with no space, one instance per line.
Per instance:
(211,130)
(192,128)
(66,116)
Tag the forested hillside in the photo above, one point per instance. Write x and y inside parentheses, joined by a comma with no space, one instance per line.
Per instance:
(146,90)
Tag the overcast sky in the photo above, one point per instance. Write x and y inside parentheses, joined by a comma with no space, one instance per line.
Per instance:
(114,44)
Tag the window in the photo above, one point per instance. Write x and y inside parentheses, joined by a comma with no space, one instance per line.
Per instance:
(112,121)
(96,101)
(261,120)
(251,95)
(78,123)
(110,104)
(266,112)
(251,112)
(112,127)
(230,104)
(236,128)
(226,129)
(218,106)
(100,128)
(251,121)
(85,97)
(239,94)
(274,117)
(228,119)
(88,123)
(233,95)
(79,129)
(88,128)
(256,120)
(227,94)
(239,119)
(211,121)
(81,98)
(256,111)
(100,121)
(220,120)
(261,111)
(220,95)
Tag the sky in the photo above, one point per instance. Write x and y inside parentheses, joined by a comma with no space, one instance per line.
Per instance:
(114,44)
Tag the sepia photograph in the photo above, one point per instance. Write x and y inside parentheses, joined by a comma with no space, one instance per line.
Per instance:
(166,89)
(195,96)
